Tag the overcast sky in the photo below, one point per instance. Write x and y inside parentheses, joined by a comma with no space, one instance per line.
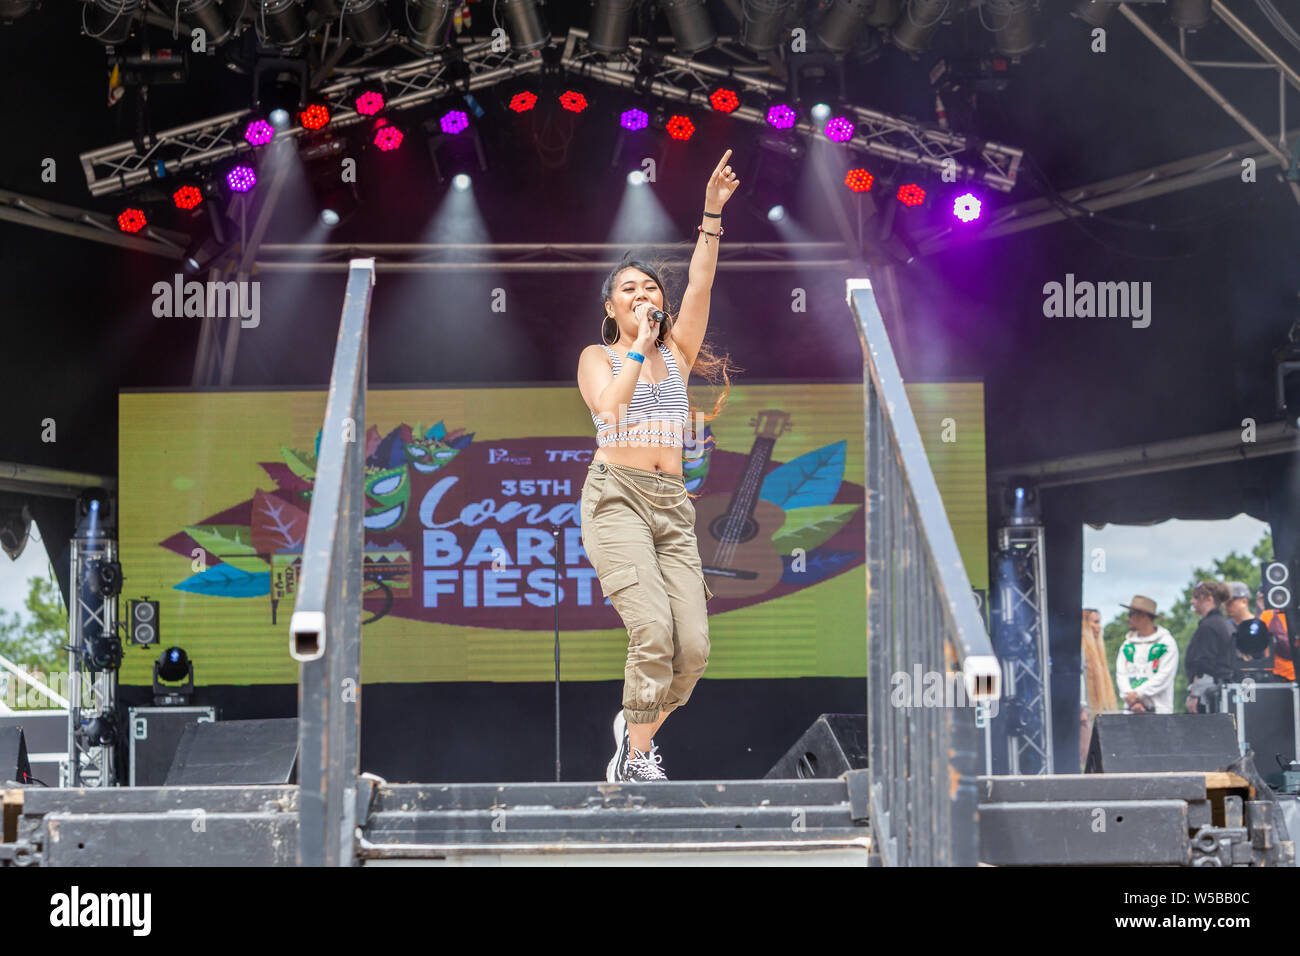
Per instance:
(1158,560)
(14,574)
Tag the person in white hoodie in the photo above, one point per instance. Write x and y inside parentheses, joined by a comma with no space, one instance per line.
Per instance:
(1147,663)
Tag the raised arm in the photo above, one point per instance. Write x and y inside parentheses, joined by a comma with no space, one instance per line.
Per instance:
(693,317)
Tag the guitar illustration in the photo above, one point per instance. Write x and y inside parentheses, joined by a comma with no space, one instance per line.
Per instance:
(735,534)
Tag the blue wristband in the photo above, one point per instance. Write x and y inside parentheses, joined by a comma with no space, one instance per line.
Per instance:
(636,356)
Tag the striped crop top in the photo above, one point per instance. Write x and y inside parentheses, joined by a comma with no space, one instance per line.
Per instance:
(662,402)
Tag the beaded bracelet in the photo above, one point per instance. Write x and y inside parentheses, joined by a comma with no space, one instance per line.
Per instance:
(715,235)
(636,356)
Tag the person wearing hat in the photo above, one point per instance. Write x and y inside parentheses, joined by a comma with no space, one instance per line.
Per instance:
(1147,662)
(1238,606)
(1210,651)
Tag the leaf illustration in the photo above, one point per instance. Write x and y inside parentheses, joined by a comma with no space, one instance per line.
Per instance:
(277,525)
(222,580)
(811,479)
(818,565)
(299,462)
(229,543)
(808,527)
(285,480)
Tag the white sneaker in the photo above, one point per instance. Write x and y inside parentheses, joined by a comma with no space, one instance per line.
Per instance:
(621,747)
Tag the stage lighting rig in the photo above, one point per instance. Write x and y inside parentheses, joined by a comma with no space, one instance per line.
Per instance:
(207,15)
(109,21)
(1012,24)
(766,23)
(94,506)
(917,24)
(279,23)
(527,31)
(611,22)
(1189,15)
(691,27)
(842,23)
(817,75)
(15,527)
(369,100)
(104,578)
(337,200)
(366,22)
(979,74)
(173,665)
(11,10)
(160,67)
(453,152)
(1020,503)
(1095,13)
(100,730)
(429,23)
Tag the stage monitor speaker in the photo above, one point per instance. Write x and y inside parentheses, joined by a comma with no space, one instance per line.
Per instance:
(236,752)
(14,766)
(834,744)
(1151,743)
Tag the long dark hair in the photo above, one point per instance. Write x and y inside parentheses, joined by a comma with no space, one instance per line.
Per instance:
(711,366)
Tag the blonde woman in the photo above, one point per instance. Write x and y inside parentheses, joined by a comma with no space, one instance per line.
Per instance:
(1098,688)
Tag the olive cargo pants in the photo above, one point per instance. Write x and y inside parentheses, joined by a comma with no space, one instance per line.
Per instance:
(648,563)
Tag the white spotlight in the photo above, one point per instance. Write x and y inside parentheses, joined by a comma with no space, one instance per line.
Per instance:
(776,213)
(820,114)
(329,217)
(460,181)
(279,119)
(637,178)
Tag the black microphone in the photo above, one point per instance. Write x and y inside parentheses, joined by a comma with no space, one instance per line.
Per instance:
(654,315)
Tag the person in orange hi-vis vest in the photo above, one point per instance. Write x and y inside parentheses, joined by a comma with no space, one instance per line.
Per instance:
(1276,623)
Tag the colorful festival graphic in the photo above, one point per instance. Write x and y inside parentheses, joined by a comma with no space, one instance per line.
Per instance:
(473,535)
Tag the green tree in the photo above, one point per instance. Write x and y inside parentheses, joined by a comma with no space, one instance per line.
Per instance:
(1181,620)
(38,644)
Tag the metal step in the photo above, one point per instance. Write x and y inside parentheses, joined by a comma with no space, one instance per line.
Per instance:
(776,818)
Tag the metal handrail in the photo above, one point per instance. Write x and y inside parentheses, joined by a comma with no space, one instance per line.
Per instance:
(325,631)
(921,621)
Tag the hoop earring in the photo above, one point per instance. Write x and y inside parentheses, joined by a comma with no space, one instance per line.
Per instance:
(604,323)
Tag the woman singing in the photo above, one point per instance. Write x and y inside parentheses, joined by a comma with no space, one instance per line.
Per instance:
(638,522)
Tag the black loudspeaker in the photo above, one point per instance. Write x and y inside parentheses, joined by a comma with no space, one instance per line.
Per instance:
(1150,743)
(236,752)
(14,765)
(834,744)
(144,623)
(1279,589)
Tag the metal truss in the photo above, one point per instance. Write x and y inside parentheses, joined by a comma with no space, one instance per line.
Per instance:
(1122,190)
(84,224)
(91,692)
(1271,438)
(1268,59)
(507,257)
(1020,641)
(124,165)
(879,134)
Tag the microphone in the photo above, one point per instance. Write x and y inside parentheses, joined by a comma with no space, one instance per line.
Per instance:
(654,315)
